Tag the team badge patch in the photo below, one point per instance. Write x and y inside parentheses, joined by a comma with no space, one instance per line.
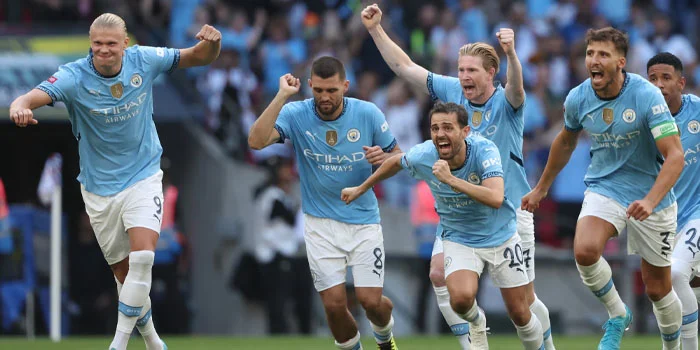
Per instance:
(331,137)
(473,178)
(476,119)
(353,135)
(117,90)
(487,116)
(136,80)
(694,126)
(629,115)
(608,115)
(448,261)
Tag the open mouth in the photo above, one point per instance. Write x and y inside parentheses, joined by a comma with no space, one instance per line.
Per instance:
(444,146)
(596,75)
(469,88)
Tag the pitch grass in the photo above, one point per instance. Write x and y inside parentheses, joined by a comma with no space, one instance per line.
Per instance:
(629,342)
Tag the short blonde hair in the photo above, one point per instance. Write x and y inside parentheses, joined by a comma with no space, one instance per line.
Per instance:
(487,53)
(109,20)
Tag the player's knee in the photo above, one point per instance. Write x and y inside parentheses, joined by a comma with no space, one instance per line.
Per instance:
(437,276)
(586,254)
(519,313)
(120,270)
(461,302)
(335,304)
(371,302)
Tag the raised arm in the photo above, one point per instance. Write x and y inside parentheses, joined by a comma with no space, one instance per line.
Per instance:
(397,59)
(559,154)
(206,50)
(388,169)
(515,91)
(263,132)
(21,108)
(672,151)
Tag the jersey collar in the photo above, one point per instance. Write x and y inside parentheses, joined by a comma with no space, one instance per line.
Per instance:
(94,70)
(479,105)
(468,145)
(342,113)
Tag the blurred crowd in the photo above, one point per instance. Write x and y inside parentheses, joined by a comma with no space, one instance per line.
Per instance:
(264,40)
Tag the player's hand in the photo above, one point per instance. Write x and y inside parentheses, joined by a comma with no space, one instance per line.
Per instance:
(441,170)
(349,194)
(208,33)
(289,85)
(506,37)
(23,117)
(375,155)
(371,16)
(531,201)
(640,209)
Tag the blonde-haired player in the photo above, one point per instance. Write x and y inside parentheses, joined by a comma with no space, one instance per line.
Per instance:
(109,99)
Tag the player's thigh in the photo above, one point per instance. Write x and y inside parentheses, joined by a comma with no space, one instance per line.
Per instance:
(106,221)
(437,264)
(142,212)
(526,230)
(327,262)
(505,263)
(366,254)
(334,298)
(653,239)
(463,268)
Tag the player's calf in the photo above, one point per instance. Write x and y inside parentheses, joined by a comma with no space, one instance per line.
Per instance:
(526,323)
(680,276)
(134,293)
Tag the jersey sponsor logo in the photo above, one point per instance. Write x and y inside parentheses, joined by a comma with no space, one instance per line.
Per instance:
(610,140)
(52,79)
(491,161)
(353,135)
(136,80)
(629,115)
(122,112)
(691,154)
(660,108)
(385,127)
(694,126)
(476,119)
(117,90)
(331,137)
(608,115)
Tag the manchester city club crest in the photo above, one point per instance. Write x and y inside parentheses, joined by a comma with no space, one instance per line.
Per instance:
(353,135)
(476,119)
(694,126)
(331,137)
(608,115)
(629,115)
(473,179)
(448,261)
(117,90)
(136,80)
(487,116)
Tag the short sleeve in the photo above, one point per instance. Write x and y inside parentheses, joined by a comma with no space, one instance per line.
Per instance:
(440,86)
(490,162)
(571,121)
(410,159)
(658,117)
(283,123)
(60,86)
(161,59)
(382,135)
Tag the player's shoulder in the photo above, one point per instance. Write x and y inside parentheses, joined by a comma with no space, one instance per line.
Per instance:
(361,106)
(690,109)
(692,100)
(302,106)
(425,150)
(481,144)
(641,85)
(578,93)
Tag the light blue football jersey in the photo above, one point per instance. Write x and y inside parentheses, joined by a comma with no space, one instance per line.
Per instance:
(495,120)
(112,118)
(330,156)
(687,187)
(624,159)
(464,220)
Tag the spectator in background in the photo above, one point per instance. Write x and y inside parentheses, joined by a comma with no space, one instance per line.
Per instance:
(446,38)
(276,246)
(241,37)
(403,116)
(279,54)
(425,221)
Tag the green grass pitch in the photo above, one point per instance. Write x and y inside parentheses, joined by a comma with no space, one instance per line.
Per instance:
(629,342)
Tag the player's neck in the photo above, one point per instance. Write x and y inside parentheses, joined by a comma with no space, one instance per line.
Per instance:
(459,159)
(675,104)
(614,88)
(108,71)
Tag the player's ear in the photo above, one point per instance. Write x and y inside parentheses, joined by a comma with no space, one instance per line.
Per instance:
(346,86)
(126,41)
(622,62)
(311,86)
(466,130)
(681,82)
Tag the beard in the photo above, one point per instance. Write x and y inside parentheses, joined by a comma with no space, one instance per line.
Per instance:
(327,110)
